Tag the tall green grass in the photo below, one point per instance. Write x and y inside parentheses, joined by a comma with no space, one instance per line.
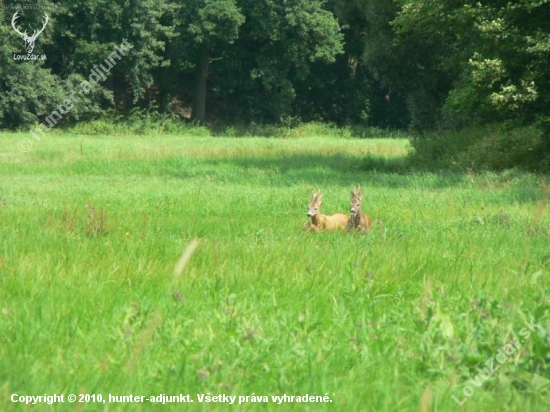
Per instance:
(141,123)
(91,229)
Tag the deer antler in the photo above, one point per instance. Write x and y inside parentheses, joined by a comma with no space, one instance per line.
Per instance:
(35,34)
(25,35)
(14,18)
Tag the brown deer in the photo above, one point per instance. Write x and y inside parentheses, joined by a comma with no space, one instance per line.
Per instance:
(318,221)
(357,220)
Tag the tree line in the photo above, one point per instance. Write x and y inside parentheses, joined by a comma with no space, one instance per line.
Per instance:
(418,64)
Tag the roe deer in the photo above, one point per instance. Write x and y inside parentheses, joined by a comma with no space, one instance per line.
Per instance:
(357,220)
(319,221)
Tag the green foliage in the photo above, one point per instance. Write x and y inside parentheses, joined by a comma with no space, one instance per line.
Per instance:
(278,47)
(497,71)
(462,66)
(77,39)
(494,147)
(31,94)
(211,20)
(144,122)
(86,33)
(423,64)
(28,94)
(139,123)
(27,91)
(265,61)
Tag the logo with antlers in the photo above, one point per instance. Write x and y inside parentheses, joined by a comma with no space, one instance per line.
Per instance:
(29,40)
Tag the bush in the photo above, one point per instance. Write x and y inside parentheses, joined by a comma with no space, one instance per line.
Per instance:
(505,149)
(140,122)
(150,122)
(294,128)
(490,148)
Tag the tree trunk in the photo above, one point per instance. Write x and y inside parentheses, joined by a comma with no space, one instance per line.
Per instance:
(199,106)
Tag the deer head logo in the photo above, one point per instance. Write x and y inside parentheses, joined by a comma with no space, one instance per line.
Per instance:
(29,40)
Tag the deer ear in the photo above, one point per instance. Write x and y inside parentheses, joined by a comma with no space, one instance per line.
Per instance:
(361,192)
(319,198)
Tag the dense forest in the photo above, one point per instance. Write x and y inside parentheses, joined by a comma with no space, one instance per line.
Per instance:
(421,65)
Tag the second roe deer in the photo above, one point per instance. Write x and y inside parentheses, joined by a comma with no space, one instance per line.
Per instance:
(357,220)
(318,221)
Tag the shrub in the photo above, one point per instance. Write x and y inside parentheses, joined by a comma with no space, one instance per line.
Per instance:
(140,122)
(505,149)
(494,147)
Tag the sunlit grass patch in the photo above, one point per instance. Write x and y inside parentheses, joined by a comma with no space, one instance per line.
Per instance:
(92,228)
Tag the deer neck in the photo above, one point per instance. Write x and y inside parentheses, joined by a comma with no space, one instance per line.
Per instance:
(318,219)
(356,219)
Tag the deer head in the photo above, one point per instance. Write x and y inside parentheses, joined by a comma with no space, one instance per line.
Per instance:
(29,40)
(315,204)
(355,201)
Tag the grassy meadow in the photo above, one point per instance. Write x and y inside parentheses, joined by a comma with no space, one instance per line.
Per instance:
(401,319)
